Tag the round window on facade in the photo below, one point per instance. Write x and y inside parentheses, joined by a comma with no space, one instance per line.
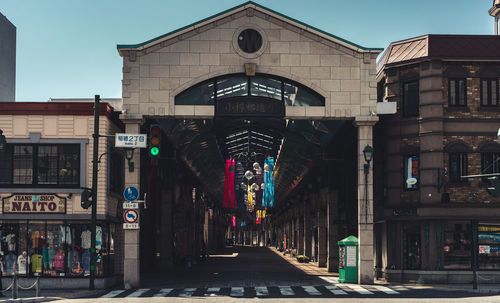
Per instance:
(250,41)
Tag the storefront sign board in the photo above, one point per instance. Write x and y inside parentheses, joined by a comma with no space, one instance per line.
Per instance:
(130,140)
(34,204)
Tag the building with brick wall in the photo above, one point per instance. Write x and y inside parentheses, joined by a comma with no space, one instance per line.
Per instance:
(45,164)
(443,91)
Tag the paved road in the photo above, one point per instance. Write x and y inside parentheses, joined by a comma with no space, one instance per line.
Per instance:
(248,273)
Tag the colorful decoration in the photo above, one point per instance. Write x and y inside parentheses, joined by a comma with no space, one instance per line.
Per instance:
(229,200)
(268,197)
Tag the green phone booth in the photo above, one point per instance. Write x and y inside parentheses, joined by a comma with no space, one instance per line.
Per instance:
(348,260)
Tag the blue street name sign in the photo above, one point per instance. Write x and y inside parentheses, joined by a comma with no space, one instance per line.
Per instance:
(131,193)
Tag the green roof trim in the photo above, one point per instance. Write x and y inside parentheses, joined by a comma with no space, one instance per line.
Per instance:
(351,240)
(132,46)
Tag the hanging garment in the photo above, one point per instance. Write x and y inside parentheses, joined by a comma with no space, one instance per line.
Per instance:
(11,242)
(98,237)
(45,256)
(36,263)
(35,237)
(233,221)
(22,263)
(86,261)
(10,262)
(59,262)
(86,239)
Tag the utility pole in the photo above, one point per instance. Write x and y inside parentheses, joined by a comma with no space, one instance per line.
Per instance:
(94,192)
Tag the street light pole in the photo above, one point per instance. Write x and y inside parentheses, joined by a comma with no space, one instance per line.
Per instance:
(95,163)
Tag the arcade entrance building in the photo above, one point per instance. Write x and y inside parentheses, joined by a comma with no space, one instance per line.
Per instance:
(250,84)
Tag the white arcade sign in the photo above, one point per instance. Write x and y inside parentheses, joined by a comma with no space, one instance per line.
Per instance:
(131,140)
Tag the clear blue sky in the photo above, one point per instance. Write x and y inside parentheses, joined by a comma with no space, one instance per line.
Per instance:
(67,48)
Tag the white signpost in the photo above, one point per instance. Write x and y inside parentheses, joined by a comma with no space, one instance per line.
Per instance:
(131,140)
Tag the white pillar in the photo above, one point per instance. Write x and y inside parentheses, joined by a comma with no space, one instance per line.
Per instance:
(131,261)
(365,205)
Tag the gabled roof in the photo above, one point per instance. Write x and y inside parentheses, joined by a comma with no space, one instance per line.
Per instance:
(234,10)
(447,47)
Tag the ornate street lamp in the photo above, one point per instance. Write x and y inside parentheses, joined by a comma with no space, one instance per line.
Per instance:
(368,154)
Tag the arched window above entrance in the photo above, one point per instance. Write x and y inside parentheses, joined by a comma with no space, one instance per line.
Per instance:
(289,92)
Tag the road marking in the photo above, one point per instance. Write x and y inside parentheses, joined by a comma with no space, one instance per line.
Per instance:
(311,290)
(359,289)
(286,291)
(387,290)
(138,293)
(334,289)
(188,292)
(237,291)
(113,293)
(163,292)
(261,291)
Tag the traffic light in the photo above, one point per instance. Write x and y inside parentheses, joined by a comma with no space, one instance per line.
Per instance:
(86,198)
(495,190)
(154,141)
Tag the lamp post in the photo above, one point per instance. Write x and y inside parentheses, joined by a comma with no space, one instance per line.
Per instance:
(368,154)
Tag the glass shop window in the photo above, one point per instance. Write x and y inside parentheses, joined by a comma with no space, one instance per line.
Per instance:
(489,92)
(412,172)
(457,245)
(54,248)
(411,99)
(490,163)
(43,165)
(489,245)
(457,92)
(458,167)
(412,246)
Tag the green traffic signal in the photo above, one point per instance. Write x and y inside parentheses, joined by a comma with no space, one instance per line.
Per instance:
(154,151)
(495,190)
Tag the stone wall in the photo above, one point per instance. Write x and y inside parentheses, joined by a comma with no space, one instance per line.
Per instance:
(154,76)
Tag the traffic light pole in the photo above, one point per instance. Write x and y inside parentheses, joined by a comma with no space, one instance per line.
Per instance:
(94,193)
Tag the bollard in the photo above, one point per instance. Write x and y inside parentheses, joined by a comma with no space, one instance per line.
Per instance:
(37,287)
(14,286)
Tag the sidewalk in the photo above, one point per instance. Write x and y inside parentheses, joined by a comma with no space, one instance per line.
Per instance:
(48,295)
(312,268)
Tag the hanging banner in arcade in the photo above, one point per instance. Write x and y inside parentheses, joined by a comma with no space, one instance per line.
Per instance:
(34,204)
(268,197)
(229,200)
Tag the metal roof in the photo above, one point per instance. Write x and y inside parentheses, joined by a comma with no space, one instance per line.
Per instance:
(447,47)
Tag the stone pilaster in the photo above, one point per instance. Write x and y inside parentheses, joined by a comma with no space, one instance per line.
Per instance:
(307,232)
(365,204)
(322,239)
(330,226)
(131,262)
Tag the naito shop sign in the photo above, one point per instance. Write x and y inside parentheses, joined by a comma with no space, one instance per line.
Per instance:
(34,204)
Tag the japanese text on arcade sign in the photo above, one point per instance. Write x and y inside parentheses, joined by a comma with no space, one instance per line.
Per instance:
(34,203)
(130,140)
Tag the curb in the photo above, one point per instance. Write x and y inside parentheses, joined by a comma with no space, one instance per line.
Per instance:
(32,300)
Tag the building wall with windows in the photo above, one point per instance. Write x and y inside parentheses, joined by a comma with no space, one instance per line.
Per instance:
(7,60)
(48,159)
(445,127)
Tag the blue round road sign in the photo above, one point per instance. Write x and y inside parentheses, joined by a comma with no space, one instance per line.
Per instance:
(131,193)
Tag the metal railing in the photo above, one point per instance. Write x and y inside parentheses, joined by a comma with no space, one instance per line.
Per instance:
(15,286)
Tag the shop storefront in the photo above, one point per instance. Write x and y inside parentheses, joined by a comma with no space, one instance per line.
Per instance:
(44,231)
